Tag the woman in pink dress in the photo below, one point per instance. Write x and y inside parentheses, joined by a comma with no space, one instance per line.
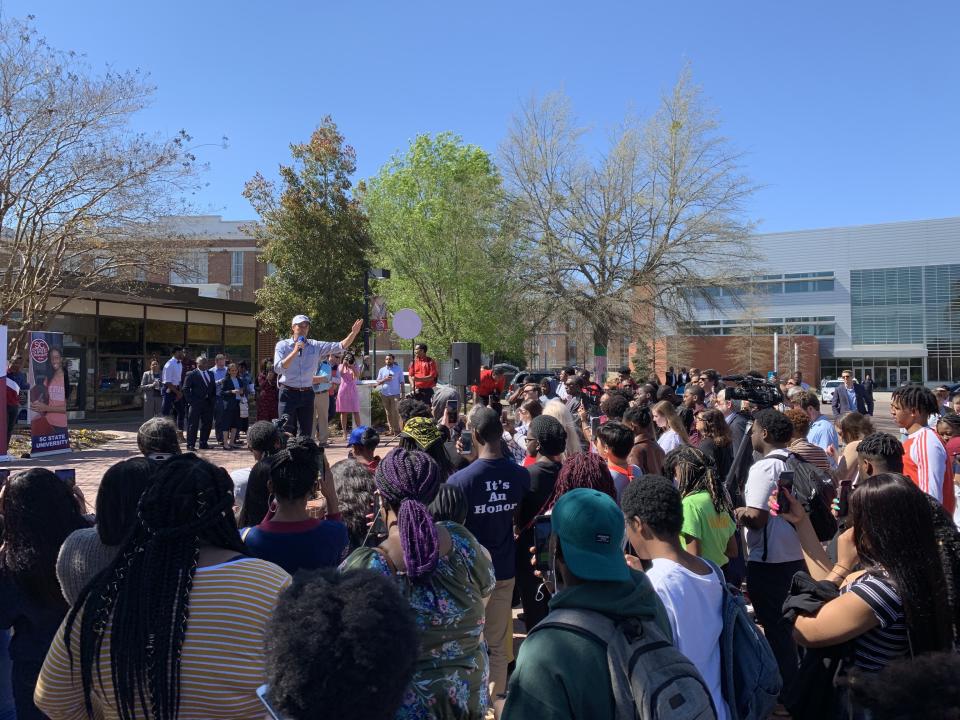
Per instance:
(348,402)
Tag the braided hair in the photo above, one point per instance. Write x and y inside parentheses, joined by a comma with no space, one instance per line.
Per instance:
(144,594)
(408,480)
(295,469)
(583,470)
(693,471)
(948,544)
(918,398)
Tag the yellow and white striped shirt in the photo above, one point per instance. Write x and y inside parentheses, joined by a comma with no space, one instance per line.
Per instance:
(223,650)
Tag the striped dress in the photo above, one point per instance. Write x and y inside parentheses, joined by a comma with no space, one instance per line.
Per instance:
(223,650)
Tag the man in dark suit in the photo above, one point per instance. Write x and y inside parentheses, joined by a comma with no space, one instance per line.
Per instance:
(849,397)
(200,391)
(868,392)
(671,377)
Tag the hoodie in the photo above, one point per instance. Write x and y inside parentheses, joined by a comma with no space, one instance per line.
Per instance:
(561,675)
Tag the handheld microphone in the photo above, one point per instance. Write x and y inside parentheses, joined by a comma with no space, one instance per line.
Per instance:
(300,348)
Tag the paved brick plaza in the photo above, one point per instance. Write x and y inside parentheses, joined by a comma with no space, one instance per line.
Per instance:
(91,464)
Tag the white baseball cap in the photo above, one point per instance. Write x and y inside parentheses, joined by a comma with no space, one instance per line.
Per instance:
(297,319)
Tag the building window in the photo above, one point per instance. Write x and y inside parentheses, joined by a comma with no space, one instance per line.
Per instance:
(191,269)
(887,306)
(103,268)
(236,268)
(271,269)
(821,325)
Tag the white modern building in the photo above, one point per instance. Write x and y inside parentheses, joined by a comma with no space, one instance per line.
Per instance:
(881,299)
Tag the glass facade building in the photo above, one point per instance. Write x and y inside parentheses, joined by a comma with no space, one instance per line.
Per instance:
(881,299)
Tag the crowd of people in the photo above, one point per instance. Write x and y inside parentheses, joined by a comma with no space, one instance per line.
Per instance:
(623,519)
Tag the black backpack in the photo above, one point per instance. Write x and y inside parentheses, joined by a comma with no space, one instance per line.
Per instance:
(814,489)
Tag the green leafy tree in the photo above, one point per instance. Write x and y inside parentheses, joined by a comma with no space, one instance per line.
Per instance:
(314,233)
(436,217)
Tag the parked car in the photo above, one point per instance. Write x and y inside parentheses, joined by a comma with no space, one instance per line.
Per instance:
(530,376)
(827,389)
(510,371)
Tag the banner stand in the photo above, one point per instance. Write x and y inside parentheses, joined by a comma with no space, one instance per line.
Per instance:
(5,455)
(49,381)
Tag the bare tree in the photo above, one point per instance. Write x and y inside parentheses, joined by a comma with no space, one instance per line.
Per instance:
(642,232)
(82,197)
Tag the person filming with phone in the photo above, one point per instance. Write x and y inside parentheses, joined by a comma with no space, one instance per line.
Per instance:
(390,384)
(774,552)
(296,360)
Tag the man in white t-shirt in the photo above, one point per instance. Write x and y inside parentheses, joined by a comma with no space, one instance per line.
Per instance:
(688,586)
(774,553)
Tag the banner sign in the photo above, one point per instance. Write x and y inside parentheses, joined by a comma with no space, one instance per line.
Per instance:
(7,382)
(49,388)
(600,364)
(378,314)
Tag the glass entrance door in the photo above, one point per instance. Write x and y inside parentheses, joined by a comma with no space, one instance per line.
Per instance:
(898,376)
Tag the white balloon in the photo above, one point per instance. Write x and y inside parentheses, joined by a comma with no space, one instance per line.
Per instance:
(407,324)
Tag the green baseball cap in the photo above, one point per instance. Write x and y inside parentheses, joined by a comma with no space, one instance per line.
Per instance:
(590,528)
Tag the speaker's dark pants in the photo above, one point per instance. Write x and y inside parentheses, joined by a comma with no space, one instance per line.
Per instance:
(200,418)
(298,406)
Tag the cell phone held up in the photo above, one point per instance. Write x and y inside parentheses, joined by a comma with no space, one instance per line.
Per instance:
(453,414)
(466,443)
(843,501)
(68,475)
(784,483)
(542,528)
(594,427)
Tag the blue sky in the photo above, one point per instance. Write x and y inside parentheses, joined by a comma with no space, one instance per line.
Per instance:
(848,111)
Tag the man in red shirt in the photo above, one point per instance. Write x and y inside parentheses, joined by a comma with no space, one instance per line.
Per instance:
(423,374)
(491,385)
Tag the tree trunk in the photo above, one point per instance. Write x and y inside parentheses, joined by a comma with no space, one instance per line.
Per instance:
(601,338)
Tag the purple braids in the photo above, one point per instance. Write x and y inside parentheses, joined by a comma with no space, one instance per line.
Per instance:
(408,480)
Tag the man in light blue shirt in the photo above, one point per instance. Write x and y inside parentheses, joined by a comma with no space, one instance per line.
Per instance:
(296,359)
(822,433)
(390,383)
(219,373)
(321,402)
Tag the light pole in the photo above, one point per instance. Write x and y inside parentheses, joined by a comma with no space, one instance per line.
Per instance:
(376,274)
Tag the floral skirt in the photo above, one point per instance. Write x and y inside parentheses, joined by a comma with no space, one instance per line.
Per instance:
(447,693)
